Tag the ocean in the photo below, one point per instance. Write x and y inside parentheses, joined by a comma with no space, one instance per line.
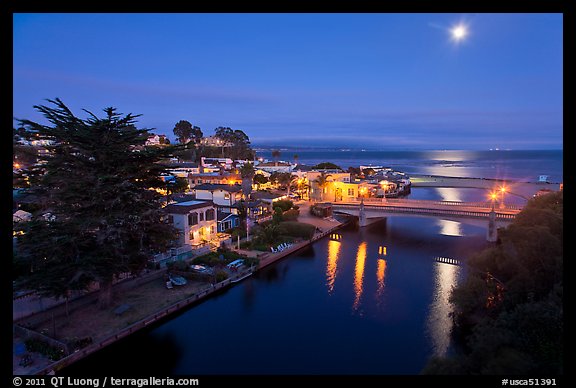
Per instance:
(518,165)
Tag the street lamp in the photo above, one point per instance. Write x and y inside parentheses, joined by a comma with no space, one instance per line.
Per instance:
(384,186)
(493,197)
(502,190)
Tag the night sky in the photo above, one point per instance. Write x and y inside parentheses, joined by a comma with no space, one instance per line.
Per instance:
(341,79)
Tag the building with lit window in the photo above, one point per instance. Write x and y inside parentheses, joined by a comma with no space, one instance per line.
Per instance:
(195,220)
(223,196)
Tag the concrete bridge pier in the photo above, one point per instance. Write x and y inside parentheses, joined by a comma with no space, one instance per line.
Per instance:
(362,214)
(492,232)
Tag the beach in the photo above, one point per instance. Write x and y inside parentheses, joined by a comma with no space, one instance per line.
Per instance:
(519,188)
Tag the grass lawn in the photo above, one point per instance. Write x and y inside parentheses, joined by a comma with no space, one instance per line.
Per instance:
(144,300)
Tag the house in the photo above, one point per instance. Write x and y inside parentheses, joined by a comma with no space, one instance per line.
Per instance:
(268,198)
(271,167)
(195,220)
(338,187)
(223,196)
(255,209)
(155,140)
(227,221)
(215,141)
(183,169)
(213,178)
(215,164)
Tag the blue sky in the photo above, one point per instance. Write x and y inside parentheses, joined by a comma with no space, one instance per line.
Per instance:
(358,80)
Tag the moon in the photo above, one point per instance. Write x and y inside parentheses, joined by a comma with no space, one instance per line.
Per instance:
(459,32)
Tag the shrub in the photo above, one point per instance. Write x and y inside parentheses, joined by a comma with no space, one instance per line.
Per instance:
(178,266)
(250,261)
(284,204)
(220,276)
(297,229)
(277,216)
(42,347)
(291,215)
(260,247)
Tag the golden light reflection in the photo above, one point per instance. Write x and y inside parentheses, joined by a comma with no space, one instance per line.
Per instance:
(450,228)
(380,273)
(332,264)
(359,274)
(439,320)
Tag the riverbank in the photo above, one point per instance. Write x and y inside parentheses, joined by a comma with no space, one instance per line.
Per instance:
(147,303)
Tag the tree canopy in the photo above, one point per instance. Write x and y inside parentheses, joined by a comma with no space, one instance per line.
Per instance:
(509,310)
(327,166)
(98,216)
(185,132)
(239,143)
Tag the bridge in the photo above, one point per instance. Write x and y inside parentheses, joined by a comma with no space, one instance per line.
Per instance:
(374,208)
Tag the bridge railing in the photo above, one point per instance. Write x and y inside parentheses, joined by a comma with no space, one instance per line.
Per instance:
(399,201)
(429,211)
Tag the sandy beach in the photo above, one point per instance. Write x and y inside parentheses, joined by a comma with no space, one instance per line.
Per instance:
(522,189)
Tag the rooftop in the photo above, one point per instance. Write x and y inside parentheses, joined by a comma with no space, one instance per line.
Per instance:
(216,186)
(185,207)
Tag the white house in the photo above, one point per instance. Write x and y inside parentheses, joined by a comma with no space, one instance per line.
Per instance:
(271,167)
(156,140)
(196,221)
(223,196)
(183,169)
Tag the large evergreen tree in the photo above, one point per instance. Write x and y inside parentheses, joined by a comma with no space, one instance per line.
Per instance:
(95,183)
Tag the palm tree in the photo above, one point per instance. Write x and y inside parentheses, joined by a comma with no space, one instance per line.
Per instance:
(276,156)
(322,182)
(247,173)
(285,178)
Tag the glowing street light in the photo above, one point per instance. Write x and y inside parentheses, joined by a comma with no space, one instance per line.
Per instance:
(493,197)
(384,186)
(503,191)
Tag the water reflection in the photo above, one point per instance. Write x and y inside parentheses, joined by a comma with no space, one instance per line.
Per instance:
(359,274)
(380,273)
(449,194)
(439,320)
(450,228)
(332,264)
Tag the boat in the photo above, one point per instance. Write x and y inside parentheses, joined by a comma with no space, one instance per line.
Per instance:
(241,278)
(178,280)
